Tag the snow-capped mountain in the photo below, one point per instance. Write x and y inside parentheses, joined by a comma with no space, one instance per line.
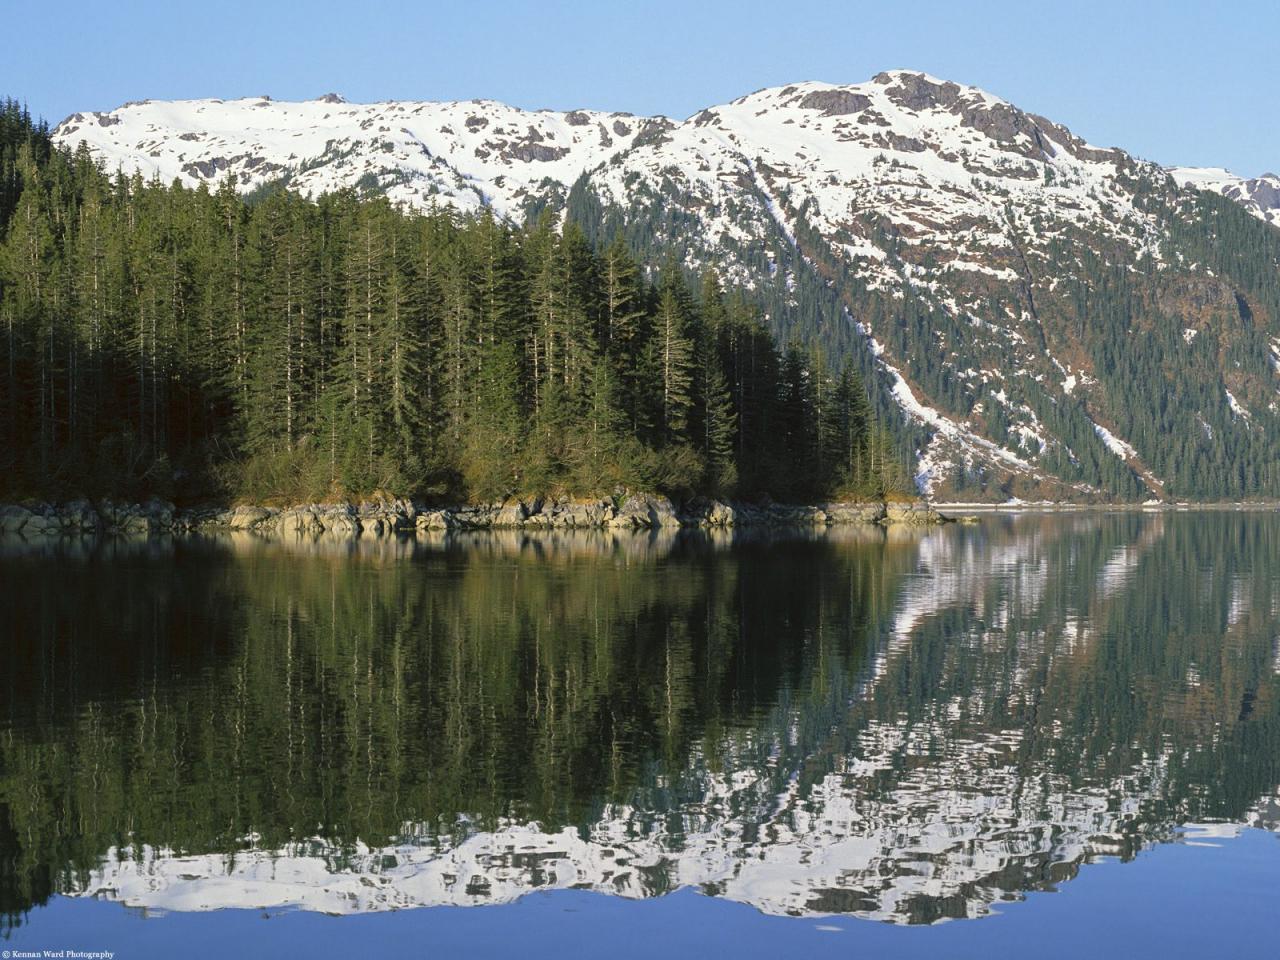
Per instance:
(978,261)
(904,146)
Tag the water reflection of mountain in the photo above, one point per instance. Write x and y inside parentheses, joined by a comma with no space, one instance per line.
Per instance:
(909,729)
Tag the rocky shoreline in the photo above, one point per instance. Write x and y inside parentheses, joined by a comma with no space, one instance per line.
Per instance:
(399,516)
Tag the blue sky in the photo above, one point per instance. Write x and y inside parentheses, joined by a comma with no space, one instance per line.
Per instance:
(1178,82)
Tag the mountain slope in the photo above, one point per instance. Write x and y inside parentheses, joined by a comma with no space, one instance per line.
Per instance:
(1044,318)
(1259,195)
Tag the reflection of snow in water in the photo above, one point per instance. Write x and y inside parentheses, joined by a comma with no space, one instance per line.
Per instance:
(960,573)
(966,828)
(1118,571)
(1241,596)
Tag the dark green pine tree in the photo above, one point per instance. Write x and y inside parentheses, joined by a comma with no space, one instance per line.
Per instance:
(493,420)
(671,351)
(278,414)
(598,455)
(359,415)
(796,424)
(403,336)
(851,432)
(713,420)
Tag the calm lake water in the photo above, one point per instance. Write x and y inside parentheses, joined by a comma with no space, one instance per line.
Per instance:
(1060,732)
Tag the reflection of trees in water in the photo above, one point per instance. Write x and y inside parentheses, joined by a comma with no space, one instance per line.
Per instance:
(1045,717)
(927,725)
(187,700)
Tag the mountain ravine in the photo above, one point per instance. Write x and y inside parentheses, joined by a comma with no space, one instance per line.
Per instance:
(1041,317)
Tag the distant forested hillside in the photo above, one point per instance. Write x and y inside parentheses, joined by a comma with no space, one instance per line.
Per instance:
(198,344)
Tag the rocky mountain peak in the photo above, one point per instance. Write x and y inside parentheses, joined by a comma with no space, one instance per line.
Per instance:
(919,91)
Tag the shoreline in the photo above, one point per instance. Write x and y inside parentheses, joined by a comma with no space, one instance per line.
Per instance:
(392,517)
(1146,507)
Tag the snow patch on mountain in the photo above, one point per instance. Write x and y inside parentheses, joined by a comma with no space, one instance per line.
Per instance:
(1113,443)
(1237,408)
(932,464)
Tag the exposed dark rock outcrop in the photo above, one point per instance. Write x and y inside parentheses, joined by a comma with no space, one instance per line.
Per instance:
(835,103)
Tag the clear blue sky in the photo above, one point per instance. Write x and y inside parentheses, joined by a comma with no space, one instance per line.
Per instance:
(1178,81)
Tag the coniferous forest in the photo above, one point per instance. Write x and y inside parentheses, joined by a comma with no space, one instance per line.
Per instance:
(197,344)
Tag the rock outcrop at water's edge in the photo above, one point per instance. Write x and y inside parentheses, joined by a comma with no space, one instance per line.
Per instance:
(637,511)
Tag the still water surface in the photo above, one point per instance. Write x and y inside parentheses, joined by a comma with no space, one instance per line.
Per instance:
(641,745)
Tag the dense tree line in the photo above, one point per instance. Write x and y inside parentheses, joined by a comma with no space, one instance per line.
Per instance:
(158,339)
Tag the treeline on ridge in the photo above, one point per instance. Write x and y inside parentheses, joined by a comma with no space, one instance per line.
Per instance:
(189,343)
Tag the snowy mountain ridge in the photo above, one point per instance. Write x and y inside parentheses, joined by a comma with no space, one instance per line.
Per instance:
(482,152)
(466,155)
